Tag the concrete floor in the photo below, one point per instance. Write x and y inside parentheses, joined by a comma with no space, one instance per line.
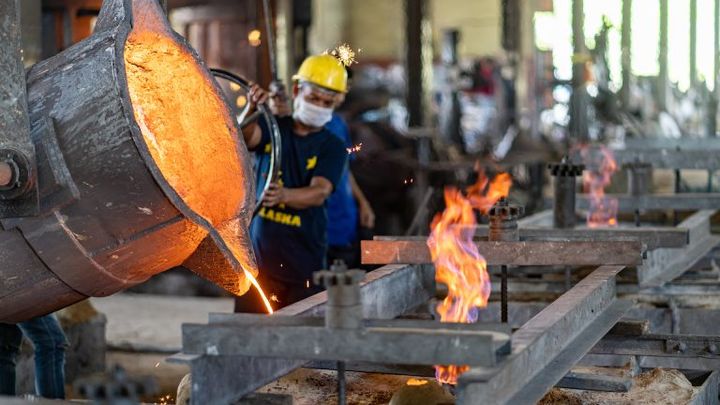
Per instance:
(143,330)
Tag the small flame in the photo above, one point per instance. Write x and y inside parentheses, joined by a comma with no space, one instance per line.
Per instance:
(485,193)
(416,382)
(458,263)
(599,167)
(345,54)
(354,149)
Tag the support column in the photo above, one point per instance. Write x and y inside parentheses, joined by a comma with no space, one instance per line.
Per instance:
(284,40)
(662,83)
(693,43)
(626,45)
(715,96)
(579,99)
(414,15)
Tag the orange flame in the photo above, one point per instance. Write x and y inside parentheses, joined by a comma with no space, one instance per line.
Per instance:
(458,264)
(485,193)
(599,167)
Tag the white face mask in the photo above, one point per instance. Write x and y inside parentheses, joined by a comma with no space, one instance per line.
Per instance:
(310,114)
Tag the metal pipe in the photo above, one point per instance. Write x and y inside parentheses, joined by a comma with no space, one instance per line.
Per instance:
(564,179)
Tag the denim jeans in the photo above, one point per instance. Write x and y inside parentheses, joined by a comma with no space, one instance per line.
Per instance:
(49,342)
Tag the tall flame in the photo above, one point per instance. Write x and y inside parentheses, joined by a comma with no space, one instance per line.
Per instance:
(458,264)
(599,167)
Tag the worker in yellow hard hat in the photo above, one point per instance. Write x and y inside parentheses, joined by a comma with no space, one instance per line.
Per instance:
(289,233)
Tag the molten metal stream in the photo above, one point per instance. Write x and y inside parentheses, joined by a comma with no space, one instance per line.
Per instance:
(190,136)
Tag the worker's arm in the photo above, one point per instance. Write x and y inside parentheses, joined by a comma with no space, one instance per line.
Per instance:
(313,195)
(252,133)
(367,215)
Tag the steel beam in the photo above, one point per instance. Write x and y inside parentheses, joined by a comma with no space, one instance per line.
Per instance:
(667,158)
(595,382)
(397,345)
(681,202)
(651,237)
(663,265)
(672,144)
(625,253)
(659,345)
(546,347)
(386,293)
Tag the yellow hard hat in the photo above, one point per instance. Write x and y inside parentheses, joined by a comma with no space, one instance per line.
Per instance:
(325,71)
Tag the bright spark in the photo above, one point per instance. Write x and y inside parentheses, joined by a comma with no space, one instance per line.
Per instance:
(345,54)
(354,149)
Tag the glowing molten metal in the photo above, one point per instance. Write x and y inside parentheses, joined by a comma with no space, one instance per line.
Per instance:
(458,264)
(173,97)
(600,165)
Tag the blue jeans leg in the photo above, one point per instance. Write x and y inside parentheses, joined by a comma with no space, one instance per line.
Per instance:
(49,342)
(10,339)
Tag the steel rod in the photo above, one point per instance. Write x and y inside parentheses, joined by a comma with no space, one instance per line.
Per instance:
(341,388)
(504,294)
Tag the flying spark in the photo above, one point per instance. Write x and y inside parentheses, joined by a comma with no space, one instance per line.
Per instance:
(354,149)
(345,54)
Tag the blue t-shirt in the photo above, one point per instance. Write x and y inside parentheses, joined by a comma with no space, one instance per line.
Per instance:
(342,209)
(291,244)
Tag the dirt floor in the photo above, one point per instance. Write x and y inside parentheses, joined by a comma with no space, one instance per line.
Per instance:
(319,387)
(657,386)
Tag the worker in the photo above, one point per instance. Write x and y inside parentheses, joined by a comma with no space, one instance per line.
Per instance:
(49,344)
(348,208)
(289,233)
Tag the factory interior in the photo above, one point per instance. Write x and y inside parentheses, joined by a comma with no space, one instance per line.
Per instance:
(368,202)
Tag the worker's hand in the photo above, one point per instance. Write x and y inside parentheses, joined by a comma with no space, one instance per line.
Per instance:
(367,215)
(256,96)
(275,195)
(279,104)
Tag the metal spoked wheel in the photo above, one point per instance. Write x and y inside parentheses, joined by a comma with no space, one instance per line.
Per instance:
(236,89)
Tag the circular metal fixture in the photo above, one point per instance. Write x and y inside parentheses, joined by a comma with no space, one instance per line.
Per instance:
(238,102)
(19,174)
